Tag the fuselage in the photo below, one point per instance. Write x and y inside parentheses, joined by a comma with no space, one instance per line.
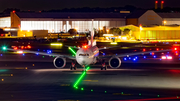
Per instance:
(87,56)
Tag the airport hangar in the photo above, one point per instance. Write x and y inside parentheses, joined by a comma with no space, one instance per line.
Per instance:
(55,22)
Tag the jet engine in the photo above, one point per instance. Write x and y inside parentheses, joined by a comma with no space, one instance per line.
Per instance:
(59,62)
(115,62)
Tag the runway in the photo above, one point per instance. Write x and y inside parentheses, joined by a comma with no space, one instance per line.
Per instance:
(113,84)
(38,80)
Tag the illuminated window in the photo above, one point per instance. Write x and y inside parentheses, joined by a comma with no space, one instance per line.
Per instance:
(5,22)
(51,26)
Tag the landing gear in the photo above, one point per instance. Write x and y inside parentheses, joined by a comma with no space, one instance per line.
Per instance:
(103,65)
(105,68)
(72,66)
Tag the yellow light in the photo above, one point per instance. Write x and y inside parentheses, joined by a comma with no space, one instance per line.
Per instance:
(56,44)
(100,28)
(2,79)
(20,52)
(114,43)
(28,30)
(141,28)
(164,22)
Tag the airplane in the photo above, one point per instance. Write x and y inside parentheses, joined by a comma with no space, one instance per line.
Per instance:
(87,55)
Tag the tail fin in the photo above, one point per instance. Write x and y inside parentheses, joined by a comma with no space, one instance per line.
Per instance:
(92,33)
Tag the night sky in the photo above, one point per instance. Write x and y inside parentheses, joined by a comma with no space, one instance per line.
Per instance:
(38,5)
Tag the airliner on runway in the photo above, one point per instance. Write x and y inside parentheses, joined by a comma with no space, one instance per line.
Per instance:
(88,55)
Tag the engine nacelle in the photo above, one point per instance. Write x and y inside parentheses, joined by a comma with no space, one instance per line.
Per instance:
(115,62)
(59,62)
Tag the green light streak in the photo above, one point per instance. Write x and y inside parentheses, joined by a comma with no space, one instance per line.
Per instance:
(80,78)
(72,50)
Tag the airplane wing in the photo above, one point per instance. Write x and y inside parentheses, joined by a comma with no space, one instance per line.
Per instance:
(136,53)
(108,47)
(43,53)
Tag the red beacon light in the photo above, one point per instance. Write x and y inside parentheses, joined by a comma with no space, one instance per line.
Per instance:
(157,49)
(85,47)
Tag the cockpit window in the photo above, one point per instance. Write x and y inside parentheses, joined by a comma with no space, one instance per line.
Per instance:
(83,54)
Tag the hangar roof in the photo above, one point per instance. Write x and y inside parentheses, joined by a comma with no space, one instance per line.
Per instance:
(62,15)
(169,15)
(136,14)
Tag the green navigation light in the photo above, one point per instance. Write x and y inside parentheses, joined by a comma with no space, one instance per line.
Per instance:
(91,90)
(72,50)
(80,78)
(82,88)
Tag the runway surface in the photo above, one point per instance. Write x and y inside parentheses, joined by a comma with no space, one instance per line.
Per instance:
(39,80)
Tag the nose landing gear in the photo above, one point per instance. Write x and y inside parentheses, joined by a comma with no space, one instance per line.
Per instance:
(103,65)
(73,66)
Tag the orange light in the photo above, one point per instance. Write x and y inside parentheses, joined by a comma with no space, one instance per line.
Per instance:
(152,53)
(22,47)
(28,46)
(177,54)
(144,50)
(15,48)
(157,49)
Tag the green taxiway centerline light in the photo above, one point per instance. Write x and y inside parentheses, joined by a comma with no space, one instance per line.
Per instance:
(72,50)
(80,78)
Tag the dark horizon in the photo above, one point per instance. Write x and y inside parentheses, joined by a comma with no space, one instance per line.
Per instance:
(39,5)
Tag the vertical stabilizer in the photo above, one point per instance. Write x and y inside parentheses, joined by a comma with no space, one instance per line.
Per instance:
(92,33)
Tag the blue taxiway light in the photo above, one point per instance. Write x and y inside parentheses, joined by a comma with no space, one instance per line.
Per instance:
(154,56)
(129,58)
(125,59)
(1,55)
(23,54)
(134,59)
(144,57)
(49,51)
